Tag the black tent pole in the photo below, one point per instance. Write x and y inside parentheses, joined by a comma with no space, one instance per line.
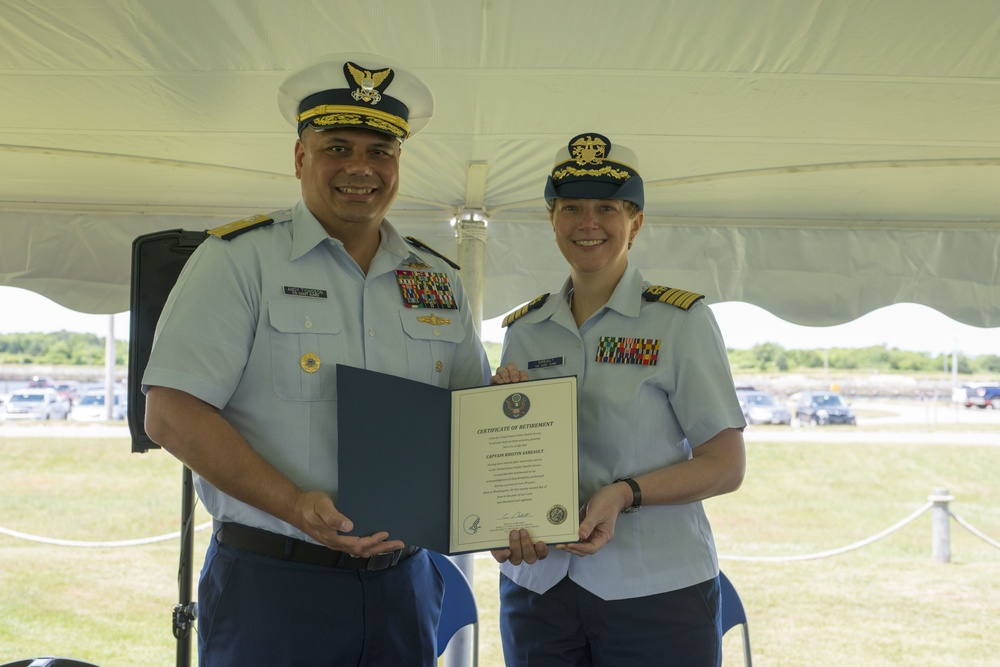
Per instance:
(185,612)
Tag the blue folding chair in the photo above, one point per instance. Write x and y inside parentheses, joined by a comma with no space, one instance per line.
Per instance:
(458,609)
(733,614)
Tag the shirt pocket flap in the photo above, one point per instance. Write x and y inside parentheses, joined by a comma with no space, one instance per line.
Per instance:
(298,318)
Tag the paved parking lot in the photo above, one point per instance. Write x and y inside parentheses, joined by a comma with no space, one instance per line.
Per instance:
(878,421)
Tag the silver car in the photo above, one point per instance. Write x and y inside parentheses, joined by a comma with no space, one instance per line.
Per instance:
(36,405)
(90,407)
(760,407)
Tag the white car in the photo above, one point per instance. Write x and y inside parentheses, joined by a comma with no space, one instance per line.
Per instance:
(36,404)
(90,407)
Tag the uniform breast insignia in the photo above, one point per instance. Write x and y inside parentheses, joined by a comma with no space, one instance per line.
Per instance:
(417,264)
(425,289)
(417,243)
(675,297)
(433,320)
(309,362)
(535,303)
(233,229)
(619,350)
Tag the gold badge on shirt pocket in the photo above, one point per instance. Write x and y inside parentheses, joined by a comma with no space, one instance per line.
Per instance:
(309,362)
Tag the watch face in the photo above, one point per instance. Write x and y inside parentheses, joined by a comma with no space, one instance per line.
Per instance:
(630,509)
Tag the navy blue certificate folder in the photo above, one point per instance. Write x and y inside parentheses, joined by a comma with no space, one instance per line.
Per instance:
(394,457)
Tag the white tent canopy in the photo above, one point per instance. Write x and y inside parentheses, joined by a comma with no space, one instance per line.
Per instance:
(819,159)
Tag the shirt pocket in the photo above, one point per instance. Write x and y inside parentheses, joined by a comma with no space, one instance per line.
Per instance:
(431,339)
(306,342)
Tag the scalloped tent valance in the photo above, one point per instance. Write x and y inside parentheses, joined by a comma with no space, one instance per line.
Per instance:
(817,159)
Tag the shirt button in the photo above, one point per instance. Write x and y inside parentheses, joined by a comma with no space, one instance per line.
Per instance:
(371,333)
(437,332)
(308,324)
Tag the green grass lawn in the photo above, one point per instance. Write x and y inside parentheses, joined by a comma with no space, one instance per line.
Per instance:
(886,604)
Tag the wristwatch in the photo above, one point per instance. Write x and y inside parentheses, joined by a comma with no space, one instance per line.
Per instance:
(636,495)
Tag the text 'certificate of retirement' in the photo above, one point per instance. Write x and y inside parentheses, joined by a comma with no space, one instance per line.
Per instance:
(514,464)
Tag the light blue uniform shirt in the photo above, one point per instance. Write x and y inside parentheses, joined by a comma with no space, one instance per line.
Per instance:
(633,419)
(249,317)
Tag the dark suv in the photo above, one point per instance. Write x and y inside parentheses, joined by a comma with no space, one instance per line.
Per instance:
(823,407)
(982,396)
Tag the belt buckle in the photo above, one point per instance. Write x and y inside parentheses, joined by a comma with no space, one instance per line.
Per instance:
(383,561)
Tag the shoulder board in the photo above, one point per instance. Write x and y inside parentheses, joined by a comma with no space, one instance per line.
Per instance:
(423,246)
(675,297)
(537,302)
(231,230)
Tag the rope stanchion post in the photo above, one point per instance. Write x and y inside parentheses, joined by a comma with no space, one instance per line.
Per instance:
(940,525)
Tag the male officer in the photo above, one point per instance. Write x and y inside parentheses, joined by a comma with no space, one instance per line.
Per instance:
(241,384)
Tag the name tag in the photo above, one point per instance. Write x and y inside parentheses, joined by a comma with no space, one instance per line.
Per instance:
(545,363)
(305,291)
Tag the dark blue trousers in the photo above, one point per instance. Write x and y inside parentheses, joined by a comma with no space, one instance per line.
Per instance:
(568,625)
(255,610)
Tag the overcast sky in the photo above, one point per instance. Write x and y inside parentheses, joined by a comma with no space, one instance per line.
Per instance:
(903,326)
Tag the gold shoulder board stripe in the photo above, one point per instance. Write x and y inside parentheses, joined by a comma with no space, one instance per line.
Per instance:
(233,229)
(423,246)
(674,297)
(512,317)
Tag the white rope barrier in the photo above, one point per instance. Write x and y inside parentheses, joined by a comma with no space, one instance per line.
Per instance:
(974,531)
(768,559)
(118,543)
(834,552)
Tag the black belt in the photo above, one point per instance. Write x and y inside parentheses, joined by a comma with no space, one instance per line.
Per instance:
(282,547)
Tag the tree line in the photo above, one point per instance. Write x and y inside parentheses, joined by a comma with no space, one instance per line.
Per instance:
(771,357)
(60,348)
(65,348)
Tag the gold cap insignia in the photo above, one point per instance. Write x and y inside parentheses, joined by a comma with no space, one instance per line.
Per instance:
(368,83)
(587,149)
(309,362)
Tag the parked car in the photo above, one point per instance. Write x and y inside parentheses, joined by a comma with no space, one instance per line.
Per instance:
(36,404)
(68,389)
(982,395)
(38,381)
(823,407)
(91,408)
(760,407)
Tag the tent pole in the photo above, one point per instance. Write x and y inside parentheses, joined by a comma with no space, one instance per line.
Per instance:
(462,650)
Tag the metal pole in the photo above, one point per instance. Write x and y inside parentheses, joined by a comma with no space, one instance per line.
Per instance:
(463,649)
(109,370)
(185,612)
(940,525)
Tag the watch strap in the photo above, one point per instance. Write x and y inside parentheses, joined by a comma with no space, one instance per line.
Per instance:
(636,495)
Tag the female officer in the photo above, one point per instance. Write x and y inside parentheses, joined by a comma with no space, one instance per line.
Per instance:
(660,430)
